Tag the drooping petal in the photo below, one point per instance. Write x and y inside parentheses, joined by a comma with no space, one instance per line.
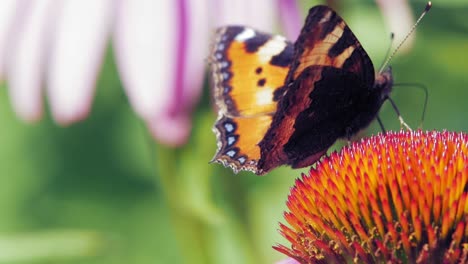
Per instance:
(259,14)
(399,20)
(165,68)
(145,44)
(172,125)
(79,41)
(193,31)
(287,261)
(7,15)
(291,19)
(26,54)
(170,130)
(196,46)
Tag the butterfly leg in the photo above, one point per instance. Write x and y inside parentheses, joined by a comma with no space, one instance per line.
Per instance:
(402,122)
(381,125)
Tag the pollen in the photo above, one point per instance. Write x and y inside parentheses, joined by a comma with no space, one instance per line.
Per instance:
(394,198)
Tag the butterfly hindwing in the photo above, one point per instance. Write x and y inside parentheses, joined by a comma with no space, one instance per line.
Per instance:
(247,68)
(238,139)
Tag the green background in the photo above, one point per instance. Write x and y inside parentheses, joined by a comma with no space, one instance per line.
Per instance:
(101,191)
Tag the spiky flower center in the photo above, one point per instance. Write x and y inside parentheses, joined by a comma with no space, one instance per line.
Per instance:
(398,198)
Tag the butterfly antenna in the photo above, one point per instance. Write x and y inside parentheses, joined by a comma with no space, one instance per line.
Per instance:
(426,9)
(392,38)
(426,96)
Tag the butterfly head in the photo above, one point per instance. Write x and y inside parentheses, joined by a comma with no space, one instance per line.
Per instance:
(384,82)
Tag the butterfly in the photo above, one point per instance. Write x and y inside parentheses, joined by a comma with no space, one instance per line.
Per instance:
(282,103)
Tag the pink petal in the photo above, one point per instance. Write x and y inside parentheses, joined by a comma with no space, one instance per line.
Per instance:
(173,125)
(291,18)
(197,45)
(78,45)
(287,261)
(7,14)
(259,14)
(399,19)
(26,57)
(161,49)
(170,130)
(145,36)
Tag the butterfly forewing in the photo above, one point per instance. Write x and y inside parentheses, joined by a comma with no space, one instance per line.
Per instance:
(326,40)
(330,76)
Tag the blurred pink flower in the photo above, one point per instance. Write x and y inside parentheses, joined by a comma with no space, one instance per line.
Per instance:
(399,19)
(288,261)
(160,49)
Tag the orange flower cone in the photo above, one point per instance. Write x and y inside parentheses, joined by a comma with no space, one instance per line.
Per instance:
(394,198)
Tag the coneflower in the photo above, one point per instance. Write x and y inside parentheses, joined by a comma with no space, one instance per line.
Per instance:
(394,198)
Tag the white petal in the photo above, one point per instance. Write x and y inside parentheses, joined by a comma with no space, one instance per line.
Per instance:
(262,14)
(26,57)
(291,18)
(199,33)
(145,44)
(7,14)
(258,14)
(78,43)
(399,20)
(172,125)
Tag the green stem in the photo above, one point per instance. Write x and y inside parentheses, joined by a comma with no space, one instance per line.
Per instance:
(205,233)
(189,230)
(236,191)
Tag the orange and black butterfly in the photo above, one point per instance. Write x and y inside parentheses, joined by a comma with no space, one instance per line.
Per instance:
(281,103)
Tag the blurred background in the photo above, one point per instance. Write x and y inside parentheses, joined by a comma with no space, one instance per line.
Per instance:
(112,188)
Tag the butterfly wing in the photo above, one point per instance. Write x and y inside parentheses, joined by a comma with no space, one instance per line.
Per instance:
(326,40)
(247,68)
(327,84)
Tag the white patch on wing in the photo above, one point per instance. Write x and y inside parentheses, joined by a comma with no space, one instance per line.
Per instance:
(326,17)
(264,96)
(231,140)
(248,33)
(271,48)
(229,127)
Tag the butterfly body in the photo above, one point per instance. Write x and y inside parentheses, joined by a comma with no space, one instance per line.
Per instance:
(289,113)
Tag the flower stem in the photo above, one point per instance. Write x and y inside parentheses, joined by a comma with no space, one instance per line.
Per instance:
(189,231)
